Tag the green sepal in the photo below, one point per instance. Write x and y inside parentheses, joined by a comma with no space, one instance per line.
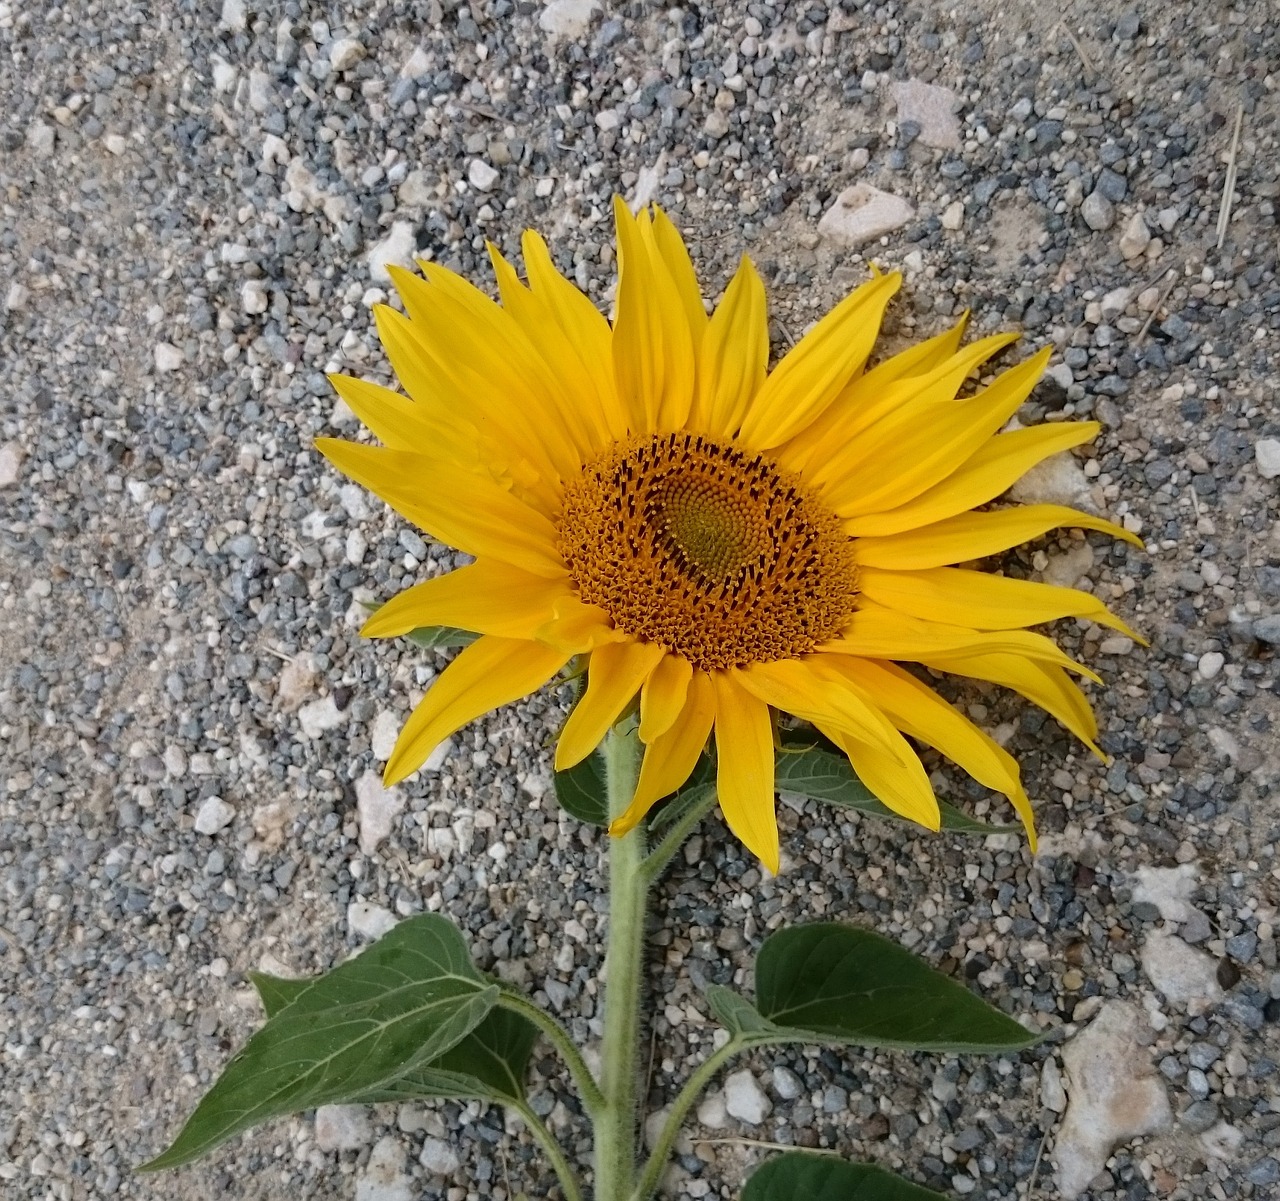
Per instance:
(801,1176)
(440,638)
(394,1008)
(581,791)
(837,985)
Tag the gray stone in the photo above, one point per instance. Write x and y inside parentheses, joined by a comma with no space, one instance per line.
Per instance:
(1098,212)
(213,815)
(931,108)
(10,464)
(345,53)
(568,19)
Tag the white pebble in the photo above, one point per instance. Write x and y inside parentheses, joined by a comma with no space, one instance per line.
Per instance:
(214,815)
(168,357)
(745,1100)
(1267,453)
(481,176)
(1210,664)
(253,297)
(953,215)
(345,53)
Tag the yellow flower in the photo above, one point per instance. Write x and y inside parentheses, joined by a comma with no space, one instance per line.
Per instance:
(720,540)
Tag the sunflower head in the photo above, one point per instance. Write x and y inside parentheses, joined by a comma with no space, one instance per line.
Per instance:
(717,541)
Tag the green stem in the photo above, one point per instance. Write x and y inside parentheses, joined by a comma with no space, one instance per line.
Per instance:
(673,840)
(592,1097)
(616,1124)
(538,1128)
(657,1161)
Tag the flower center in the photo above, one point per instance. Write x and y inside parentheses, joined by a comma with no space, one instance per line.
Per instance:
(710,551)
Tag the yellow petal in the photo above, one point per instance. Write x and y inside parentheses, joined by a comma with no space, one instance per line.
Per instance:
(670,247)
(925,441)
(832,451)
(993,468)
(437,390)
(921,713)
(875,632)
(653,356)
(894,775)
(452,503)
(976,599)
(582,325)
(394,419)
(745,767)
(614,676)
(488,597)
(488,673)
(663,696)
(976,535)
(810,377)
(670,759)
(491,362)
(733,356)
(1049,687)
(578,628)
(535,318)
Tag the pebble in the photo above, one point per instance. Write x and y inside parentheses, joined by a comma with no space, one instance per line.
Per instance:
(439,1158)
(317,717)
(253,297)
(1266,452)
(1135,238)
(931,108)
(862,213)
(10,464)
(168,357)
(214,815)
(953,215)
(369,921)
(1187,977)
(345,53)
(712,1112)
(343,1127)
(384,1178)
(1098,212)
(377,808)
(1210,664)
(745,1100)
(1113,1095)
(398,249)
(481,175)
(568,19)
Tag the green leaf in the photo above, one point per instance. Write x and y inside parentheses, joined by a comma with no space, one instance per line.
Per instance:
(395,1007)
(796,1176)
(827,776)
(275,992)
(581,791)
(437,638)
(838,985)
(489,1065)
(690,795)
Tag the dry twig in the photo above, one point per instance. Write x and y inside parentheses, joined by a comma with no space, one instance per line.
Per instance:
(1229,184)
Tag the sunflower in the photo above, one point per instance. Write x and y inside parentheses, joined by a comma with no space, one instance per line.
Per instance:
(722,541)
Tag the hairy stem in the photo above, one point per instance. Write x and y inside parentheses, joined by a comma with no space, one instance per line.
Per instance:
(616,1122)
(546,1140)
(588,1089)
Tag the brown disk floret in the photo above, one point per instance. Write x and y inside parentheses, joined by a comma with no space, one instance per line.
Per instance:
(708,550)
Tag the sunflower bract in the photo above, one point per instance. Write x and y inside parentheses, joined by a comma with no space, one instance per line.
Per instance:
(718,540)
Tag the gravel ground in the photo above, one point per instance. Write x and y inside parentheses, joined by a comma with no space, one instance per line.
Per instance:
(196,209)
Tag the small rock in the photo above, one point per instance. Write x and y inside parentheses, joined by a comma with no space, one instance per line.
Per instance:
(234,16)
(417,190)
(385,731)
(40,139)
(1188,978)
(953,215)
(480,175)
(253,297)
(213,815)
(297,682)
(168,357)
(16,297)
(1052,1094)
(1129,25)
(342,1127)
(1069,567)
(932,108)
(438,1157)
(366,920)
(1114,1095)
(377,808)
(318,716)
(1136,237)
(1211,662)
(1098,212)
(1059,480)
(1169,889)
(398,247)
(345,53)
(568,18)
(416,65)
(1267,453)
(787,1084)
(862,213)
(10,462)
(716,125)
(383,1178)
(745,1100)
(712,1113)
